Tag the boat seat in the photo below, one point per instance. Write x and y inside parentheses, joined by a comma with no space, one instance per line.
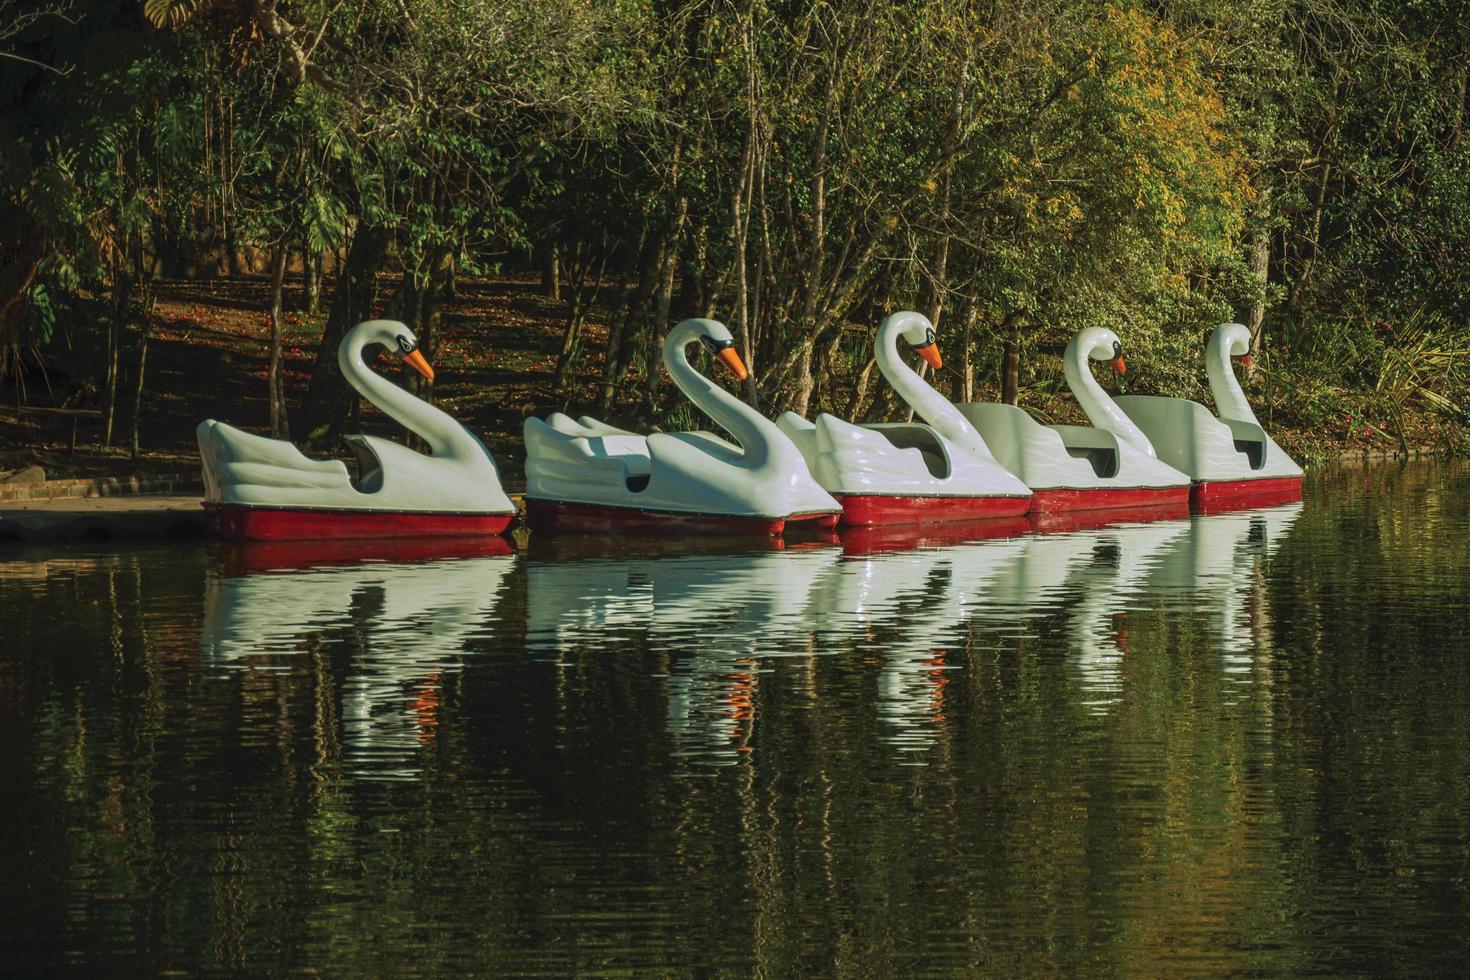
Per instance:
(920,437)
(1254,451)
(1250,441)
(369,469)
(1102,459)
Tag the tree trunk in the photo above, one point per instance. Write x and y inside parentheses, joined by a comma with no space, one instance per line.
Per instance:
(150,296)
(690,299)
(816,259)
(664,299)
(1010,371)
(740,199)
(273,374)
(429,317)
(311,272)
(122,300)
(860,391)
(1260,267)
(551,271)
(1260,264)
(968,314)
(621,329)
(328,397)
(658,314)
(583,294)
(1310,247)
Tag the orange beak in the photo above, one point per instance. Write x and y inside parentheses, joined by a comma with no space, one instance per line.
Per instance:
(415,360)
(930,353)
(1246,360)
(731,360)
(1118,364)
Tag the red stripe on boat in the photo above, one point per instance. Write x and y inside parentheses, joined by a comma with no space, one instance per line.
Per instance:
(562,515)
(240,523)
(1229,494)
(1105,498)
(866,510)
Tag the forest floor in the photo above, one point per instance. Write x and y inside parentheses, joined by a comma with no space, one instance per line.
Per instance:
(495,363)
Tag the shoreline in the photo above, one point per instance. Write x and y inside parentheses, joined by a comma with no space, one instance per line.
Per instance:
(103,518)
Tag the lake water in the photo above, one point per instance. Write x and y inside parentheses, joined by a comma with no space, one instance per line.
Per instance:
(1237,743)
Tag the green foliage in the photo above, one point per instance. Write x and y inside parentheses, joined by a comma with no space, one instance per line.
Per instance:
(171,13)
(1031,169)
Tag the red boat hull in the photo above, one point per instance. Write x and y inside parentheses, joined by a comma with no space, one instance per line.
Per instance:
(1234,494)
(560,515)
(1107,498)
(870,510)
(238,523)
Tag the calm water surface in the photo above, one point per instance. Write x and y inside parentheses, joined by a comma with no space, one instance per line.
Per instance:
(1237,743)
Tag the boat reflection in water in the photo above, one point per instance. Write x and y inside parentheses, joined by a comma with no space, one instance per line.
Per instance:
(925,602)
(901,609)
(1217,569)
(1098,576)
(915,601)
(899,596)
(906,596)
(715,617)
(1202,564)
(401,620)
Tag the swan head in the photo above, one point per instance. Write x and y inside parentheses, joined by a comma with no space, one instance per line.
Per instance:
(716,338)
(1101,344)
(396,337)
(918,333)
(1235,340)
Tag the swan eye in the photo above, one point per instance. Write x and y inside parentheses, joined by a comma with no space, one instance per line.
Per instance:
(1117,349)
(929,339)
(715,346)
(406,345)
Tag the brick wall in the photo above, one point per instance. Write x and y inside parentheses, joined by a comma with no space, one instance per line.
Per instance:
(125,486)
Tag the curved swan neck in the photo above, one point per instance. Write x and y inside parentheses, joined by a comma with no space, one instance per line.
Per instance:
(442,433)
(1099,406)
(752,431)
(1230,400)
(932,407)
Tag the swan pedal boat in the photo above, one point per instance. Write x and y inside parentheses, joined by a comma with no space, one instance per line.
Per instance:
(1078,467)
(582,474)
(1230,458)
(900,473)
(261,489)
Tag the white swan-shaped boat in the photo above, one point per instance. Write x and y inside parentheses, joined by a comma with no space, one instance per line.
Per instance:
(1078,467)
(902,473)
(582,474)
(266,489)
(1230,458)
